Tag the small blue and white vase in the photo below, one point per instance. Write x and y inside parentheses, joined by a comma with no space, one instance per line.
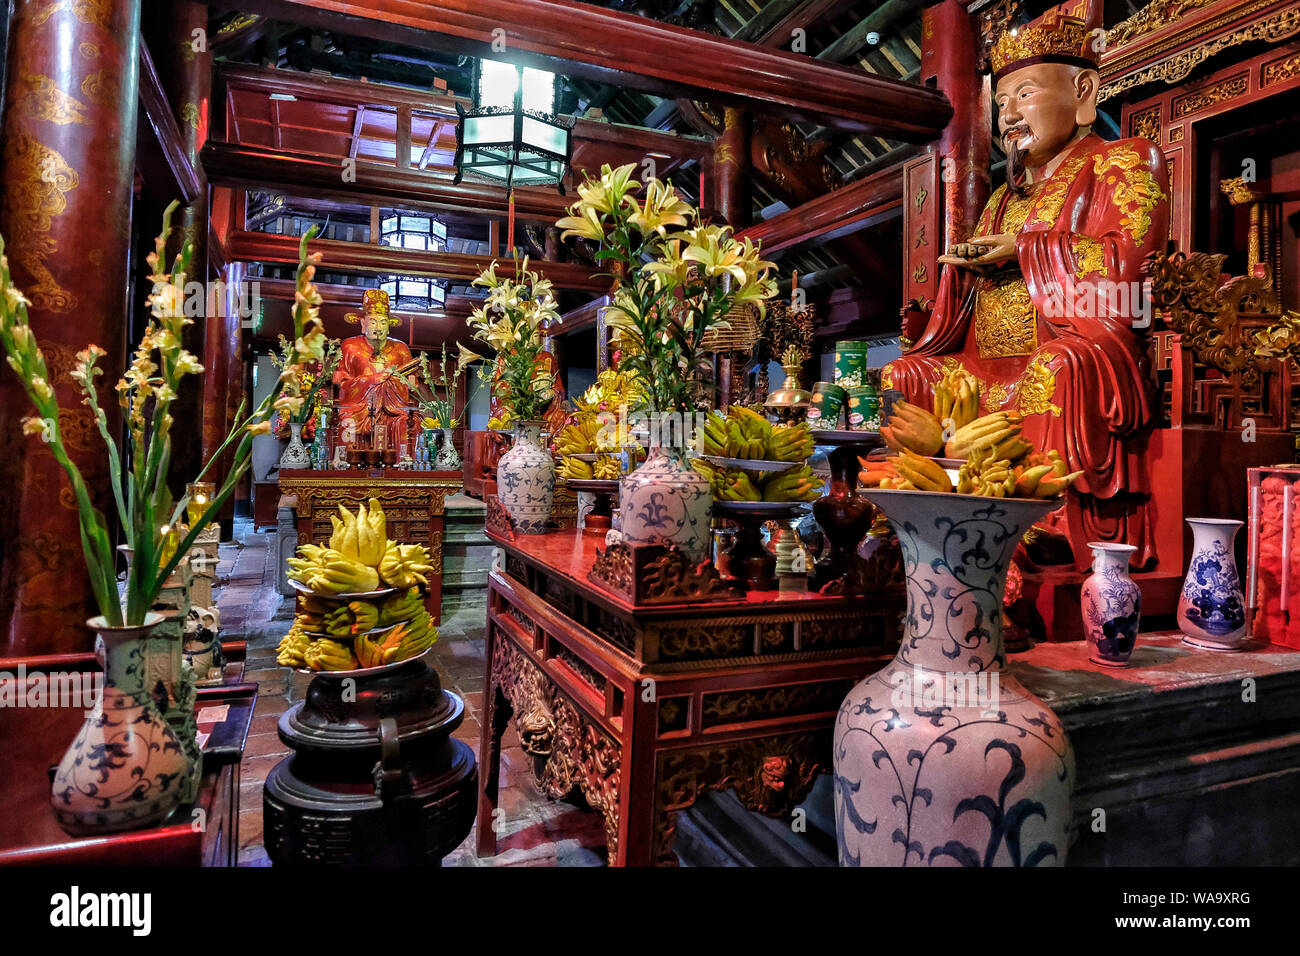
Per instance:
(1112,605)
(526,480)
(1212,608)
(667,502)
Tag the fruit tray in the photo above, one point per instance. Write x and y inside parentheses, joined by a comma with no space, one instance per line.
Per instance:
(349,596)
(724,508)
(840,436)
(590,455)
(752,464)
(358,671)
(593,484)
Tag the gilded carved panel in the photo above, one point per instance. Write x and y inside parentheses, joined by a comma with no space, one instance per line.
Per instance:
(1219,92)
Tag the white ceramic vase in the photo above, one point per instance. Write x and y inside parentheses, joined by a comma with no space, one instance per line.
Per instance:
(1112,605)
(666,502)
(126,768)
(296,455)
(447,459)
(1212,608)
(526,480)
(943,758)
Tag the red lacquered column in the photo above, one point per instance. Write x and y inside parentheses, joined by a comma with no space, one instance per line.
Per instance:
(184,61)
(66,173)
(949,54)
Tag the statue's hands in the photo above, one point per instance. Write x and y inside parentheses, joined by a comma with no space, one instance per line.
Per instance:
(981,251)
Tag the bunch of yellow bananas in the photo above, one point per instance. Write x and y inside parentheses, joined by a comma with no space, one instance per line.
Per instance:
(375,650)
(957,398)
(405,565)
(293,647)
(917,472)
(331,573)
(348,620)
(1043,475)
(983,473)
(606,468)
(571,467)
(578,438)
(414,637)
(714,434)
(324,654)
(797,484)
(731,484)
(398,607)
(363,536)
(912,428)
(999,431)
(790,442)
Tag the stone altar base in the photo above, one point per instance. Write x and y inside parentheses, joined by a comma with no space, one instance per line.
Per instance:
(1185,758)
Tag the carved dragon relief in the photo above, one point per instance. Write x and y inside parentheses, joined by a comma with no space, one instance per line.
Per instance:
(778,772)
(572,753)
(1203,308)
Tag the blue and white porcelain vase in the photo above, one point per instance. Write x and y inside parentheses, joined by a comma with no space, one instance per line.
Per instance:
(447,458)
(666,502)
(943,758)
(1212,608)
(526,479)
(295,454)
(126,768)
(1112,605)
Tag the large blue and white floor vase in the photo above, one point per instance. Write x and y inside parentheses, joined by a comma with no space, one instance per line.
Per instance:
(943,758)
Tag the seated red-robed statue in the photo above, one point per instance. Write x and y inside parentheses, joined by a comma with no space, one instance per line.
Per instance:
(374,394)
(1043,304)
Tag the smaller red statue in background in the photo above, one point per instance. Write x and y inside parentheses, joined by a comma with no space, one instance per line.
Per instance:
(374,396)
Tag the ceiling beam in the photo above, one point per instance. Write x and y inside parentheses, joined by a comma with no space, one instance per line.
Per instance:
(807,16)
(374,184)
(356,94)
(877,21)
(362,258)
(162,159)
(868,198)
(610,46)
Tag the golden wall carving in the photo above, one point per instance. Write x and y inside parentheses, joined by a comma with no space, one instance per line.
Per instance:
(1146,123)
(1151,18)
(1175,68)
(1223,90)
(45,179)
(1280,70)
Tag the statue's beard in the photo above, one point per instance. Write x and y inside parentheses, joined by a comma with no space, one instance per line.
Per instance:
(1017,171)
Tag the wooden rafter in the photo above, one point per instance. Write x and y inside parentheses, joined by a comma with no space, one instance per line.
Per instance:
(363,258)
(638,53)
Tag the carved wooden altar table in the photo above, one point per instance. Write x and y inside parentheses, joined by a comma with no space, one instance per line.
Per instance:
(413,503)
(642,707)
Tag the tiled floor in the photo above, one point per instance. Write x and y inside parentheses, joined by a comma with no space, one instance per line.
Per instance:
(532,831)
